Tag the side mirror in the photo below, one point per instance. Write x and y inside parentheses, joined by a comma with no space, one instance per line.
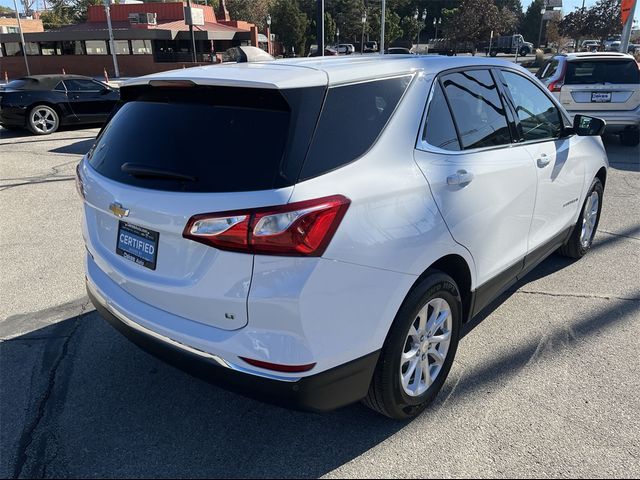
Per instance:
(586,126)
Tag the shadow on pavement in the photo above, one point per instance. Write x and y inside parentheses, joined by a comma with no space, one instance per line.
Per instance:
(77,148)
(109,409)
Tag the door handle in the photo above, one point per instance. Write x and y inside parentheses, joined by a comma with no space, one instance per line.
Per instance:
(543,160)
(461,177)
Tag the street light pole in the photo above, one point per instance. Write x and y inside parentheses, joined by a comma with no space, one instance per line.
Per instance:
(541,23)
(269,34)
(112,43)
(364,22)
(191,34)
(382,25)
(338,40)
(24,47)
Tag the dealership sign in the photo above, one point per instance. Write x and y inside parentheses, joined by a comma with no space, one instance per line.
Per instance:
(627,6)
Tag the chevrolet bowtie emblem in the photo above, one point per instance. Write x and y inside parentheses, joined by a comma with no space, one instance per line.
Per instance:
(118,210)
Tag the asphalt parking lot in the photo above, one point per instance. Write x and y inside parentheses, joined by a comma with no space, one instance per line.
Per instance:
(545,385)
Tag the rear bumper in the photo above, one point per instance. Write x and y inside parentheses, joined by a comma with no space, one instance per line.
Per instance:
(325,391)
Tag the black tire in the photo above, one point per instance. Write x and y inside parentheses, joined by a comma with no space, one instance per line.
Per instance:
(49,114)
(630,138)
(574,248)
(493,53)
(386,394)
(524,52)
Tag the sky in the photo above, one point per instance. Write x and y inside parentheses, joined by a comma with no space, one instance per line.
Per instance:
(568,5)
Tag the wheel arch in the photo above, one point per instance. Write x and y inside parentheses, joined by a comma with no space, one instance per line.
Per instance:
(457,268)
(602,175)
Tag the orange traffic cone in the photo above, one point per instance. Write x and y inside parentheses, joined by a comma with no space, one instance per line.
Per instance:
(106,76)
(6,77)
(63,72)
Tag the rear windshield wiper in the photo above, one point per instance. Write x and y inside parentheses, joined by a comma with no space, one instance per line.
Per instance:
(146,171)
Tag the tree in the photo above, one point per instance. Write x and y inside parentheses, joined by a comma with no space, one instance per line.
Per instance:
(290,23)
(6,11)
(508,21)
(252,11)
(473,21)
(600,21)
(530,25)
(411,27)
(392,29)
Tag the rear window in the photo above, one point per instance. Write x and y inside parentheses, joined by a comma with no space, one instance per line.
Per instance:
(602,71)
(352,118)
(207,139)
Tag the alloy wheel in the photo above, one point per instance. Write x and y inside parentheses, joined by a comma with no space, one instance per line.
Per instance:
(426,347)
(44,120)
(589,219)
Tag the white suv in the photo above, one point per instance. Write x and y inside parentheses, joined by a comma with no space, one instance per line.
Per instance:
(234,230)
(602,84)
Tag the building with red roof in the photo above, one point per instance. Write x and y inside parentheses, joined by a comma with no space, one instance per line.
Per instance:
(148,38)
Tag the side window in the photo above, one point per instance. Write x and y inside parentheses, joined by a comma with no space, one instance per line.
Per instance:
(352,118)
(439,130)
(477,109)
(539,117)
(79,85)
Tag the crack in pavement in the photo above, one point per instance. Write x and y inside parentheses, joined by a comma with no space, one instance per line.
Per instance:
(575,295)
(44,178)
(28,433)
(619,235)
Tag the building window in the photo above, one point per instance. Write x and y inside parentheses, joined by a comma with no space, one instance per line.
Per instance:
(72,48)
(50,48)
(122,47)
(32,48)
(96,47)
(141,47)
(12,49)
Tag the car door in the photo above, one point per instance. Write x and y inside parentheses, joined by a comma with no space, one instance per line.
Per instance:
(483,184)
(558,163)
(91,101)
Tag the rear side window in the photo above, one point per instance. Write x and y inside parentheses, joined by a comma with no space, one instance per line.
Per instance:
(439,130)
(602,71)
(549,69)
(78,85)
(352,118)
(477,109)
(206,139)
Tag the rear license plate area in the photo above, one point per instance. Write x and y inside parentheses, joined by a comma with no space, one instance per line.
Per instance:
(137,244)
(600,97)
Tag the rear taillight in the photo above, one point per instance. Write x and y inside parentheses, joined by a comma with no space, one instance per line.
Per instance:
(300,229)
(79,182)
(555,86)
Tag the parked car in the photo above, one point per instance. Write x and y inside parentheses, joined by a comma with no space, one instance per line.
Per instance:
(398,51)
(633,48)
(345,48)
(42,103)
(590,46)
(310,271)
(613,46)
(370,47)
(602,84)
(328,52)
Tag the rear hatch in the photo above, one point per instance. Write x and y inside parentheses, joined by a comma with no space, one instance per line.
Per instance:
(601,84)
(173,150)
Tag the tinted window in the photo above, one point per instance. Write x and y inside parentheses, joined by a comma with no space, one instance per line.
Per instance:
(549,69)
(439,130)
(81,85)
(352,118)
(227,139)
(539,117)
(477,109)
(602,71)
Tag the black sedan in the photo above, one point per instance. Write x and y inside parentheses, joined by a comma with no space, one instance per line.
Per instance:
(42,103)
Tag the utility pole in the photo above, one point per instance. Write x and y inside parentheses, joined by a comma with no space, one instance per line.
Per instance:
(320,26)
(382,22)
(193,38)
(626,30)
(24,47)
(112,43)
